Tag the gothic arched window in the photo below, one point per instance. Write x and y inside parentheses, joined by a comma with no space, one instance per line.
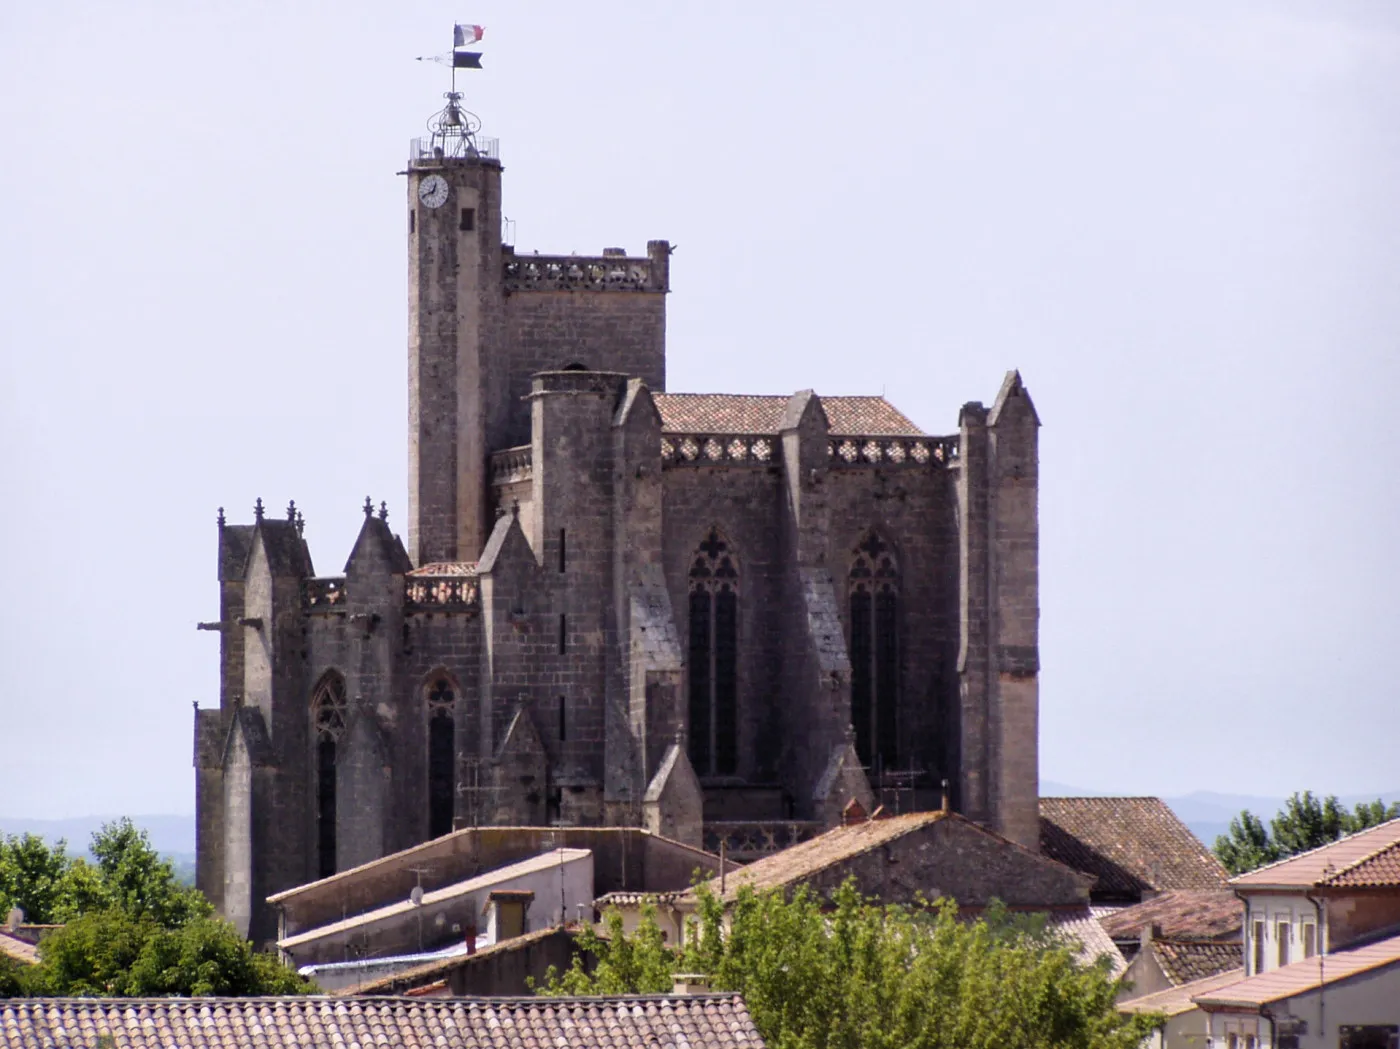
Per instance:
(874,595)
(714,662)
(327,725)
(442,756)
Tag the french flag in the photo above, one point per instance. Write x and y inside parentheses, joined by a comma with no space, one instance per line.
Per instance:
(462,35)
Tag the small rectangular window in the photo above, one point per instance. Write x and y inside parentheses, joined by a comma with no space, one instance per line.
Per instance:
(1309,939)
(563,722)
(562,548)
(1285,936)
(412,220)
(1258,949)
(468,222)
(563,634)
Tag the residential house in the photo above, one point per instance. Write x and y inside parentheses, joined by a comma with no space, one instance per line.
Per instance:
(454,919)
(624,858)
(686,1021)
(1320,901)
(899,859)
(504,968)
(1187,1026)
(1179,937)
(1348,999)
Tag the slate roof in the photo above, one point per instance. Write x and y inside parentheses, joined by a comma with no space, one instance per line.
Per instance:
(1133,846)
(1288,981)
(755,413)
(1367,859)
(662,1022)
(1177,1000)
(1182,914)
(1183,961)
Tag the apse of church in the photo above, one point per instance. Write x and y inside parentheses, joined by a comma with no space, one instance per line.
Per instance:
(719,616)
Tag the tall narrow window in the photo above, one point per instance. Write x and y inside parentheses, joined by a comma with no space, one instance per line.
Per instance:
(714,659)
(563,549)
(563,634)
(874,652)
(563,721)
(442,757)
(1258,948)
(1285,941)
(328,725)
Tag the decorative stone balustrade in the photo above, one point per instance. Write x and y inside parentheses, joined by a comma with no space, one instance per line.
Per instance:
(326,594)
(512,464)
(720,449)
(579,273)
(746,841)
(455,593)
(892,451)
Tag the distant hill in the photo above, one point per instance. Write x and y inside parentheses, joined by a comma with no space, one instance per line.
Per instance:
(171,836)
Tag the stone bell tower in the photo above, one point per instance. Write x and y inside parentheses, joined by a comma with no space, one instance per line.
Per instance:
(454,319)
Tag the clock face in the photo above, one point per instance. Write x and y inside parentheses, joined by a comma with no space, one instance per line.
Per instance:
(432,191)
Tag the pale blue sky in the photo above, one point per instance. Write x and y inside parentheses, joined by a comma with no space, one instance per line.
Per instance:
(1179,220)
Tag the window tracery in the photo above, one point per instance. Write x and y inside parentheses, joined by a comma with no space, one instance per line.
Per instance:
(442,756)
(328,711)
(713,652)
(874,651)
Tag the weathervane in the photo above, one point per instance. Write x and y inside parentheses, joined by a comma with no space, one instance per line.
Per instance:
(454,128)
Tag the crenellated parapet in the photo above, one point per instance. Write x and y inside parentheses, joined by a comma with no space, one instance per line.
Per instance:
(717,449)
(443,587)
(883,450)
(613,270)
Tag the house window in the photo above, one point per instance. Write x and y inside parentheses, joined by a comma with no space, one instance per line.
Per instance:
(874,597)
(1258,948)
(1368,1036)
(1309,939)
(1285,938)
(328,726)
(713,662)
(442,757)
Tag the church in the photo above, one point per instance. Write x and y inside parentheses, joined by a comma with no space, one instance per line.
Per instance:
(716,616)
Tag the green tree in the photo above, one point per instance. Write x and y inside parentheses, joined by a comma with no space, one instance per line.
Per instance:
(135,879)
(31,874)
(854,974)
(115,954)
(1305,822)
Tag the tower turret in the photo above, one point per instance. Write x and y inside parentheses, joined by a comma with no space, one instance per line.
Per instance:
(454,310)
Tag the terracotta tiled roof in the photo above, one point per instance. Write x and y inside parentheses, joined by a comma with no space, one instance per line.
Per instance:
(1088,939)
(1290,980)
(1183,914)
(663,1022)
(755,413)
(1368,858)
(1131,845)
(1185,960)
(19,950)
(1177,1000)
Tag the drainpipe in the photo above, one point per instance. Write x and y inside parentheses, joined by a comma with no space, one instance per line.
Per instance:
(1321,963)
(1268,1014)
(1248,931)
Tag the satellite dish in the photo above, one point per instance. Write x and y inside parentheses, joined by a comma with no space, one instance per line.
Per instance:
(416,896)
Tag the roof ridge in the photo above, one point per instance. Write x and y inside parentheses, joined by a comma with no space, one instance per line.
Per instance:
(1316,849)
(1364,859)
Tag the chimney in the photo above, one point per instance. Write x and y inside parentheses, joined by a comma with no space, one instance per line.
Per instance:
(1148,934)
(947,805)
(690,983)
